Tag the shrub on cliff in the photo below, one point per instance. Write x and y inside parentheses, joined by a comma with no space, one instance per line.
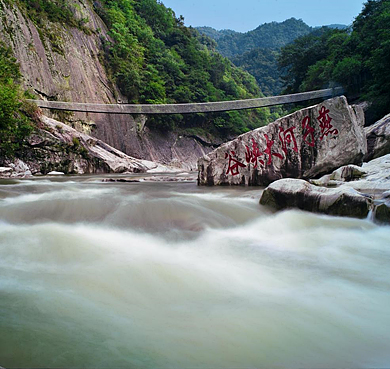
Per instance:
(15,125)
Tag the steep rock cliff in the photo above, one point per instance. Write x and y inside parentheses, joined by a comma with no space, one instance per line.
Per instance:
(62,63)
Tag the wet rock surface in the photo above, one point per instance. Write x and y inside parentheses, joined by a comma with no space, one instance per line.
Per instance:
(298,193)
(348,191)
(305,144)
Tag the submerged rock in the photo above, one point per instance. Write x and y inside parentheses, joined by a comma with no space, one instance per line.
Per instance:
(348,191)
(304,144)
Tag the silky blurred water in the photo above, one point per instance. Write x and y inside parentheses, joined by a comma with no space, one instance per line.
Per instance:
(170,275)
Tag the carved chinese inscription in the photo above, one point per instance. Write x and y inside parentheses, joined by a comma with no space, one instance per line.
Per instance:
(287,139)
(234,164)
(326,127)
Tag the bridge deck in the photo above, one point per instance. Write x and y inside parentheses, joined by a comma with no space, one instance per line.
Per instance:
(188,107)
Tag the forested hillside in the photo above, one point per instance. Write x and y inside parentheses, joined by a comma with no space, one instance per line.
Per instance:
(256,51)
(153,58)
(272,35)
(358,59)
(215,34)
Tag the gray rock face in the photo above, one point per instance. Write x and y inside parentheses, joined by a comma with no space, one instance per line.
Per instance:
(304,144)
(378,138)
(57,149)
(348,191)
(17,169)
(71,71)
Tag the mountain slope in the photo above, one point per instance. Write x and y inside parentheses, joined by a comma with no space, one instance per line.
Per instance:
(105,51)
(272,35)
(256,51)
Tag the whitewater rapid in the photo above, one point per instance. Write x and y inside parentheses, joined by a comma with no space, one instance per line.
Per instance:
(147,275)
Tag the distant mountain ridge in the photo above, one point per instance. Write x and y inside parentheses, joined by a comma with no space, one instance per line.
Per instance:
(257,51)
(215,34)
(272,35)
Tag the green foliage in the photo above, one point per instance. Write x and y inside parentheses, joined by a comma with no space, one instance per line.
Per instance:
(49,16)
(262,64)
(53,10)
(14,125)
(358,59)
(257,51)
(155,59)
(267,36)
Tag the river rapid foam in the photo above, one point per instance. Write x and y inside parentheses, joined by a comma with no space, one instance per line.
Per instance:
(147,275)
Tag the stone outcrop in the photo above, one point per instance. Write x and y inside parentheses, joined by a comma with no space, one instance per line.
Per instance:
(57,148)
(298,193)
(378,138)
(348,191)
(304,144)
(62,63)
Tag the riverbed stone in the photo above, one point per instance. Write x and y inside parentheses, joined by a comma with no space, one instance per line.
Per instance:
(382,213)
(297,193)
(305,144)
(378,138)
(350,195)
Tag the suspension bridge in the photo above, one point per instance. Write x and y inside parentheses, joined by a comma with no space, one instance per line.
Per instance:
(188,108)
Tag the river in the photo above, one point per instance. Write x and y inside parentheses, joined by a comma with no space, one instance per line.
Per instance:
(169,275)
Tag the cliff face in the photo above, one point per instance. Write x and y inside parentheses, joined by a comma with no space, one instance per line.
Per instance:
(62,63)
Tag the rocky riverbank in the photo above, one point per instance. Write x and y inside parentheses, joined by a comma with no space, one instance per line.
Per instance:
(348,191)
(57,148)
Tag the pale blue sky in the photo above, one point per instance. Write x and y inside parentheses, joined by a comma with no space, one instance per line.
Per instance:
(245,15)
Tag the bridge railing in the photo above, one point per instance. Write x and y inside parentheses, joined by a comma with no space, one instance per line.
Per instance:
(188,108)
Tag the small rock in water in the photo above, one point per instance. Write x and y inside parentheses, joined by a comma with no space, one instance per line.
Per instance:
(55,173)
(5,171)
(127,180)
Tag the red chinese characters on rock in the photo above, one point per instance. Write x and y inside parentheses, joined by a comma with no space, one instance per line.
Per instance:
(287,139)
(269,152)
(234,164)
(253,154)
(308,131)
(326,127)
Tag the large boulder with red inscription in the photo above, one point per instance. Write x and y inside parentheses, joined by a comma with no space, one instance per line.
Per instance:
(305,144)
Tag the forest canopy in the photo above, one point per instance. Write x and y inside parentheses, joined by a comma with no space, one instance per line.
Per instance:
(155,59)
(358,59)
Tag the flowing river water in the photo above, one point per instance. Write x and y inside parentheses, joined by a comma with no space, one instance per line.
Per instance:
(170,275)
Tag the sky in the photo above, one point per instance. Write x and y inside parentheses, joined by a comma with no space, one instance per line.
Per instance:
(245,15)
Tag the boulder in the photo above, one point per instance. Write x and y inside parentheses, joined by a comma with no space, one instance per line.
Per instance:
(297,193)
(5,172)
(348,191)
(305,144)
(20,169)
(378,138)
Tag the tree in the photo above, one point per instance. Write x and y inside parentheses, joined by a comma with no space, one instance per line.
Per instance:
(14,125)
